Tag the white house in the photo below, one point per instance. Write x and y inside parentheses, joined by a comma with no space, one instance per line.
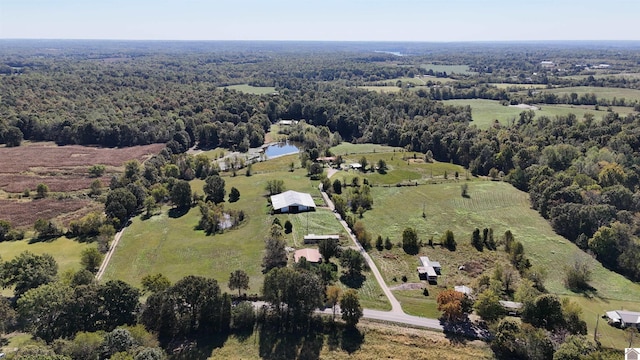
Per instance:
(292,202)
(623,318)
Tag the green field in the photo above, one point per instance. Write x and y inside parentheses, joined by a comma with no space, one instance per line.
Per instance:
(518,86)
(257,90)
(348,148)
(65,251)
(600,92)
(491,204)
(485,112)
(449,69)
(381,89)
(172,246)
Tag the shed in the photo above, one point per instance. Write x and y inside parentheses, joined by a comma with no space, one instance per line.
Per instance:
(312,255)
(313,238)
(428,271)
(512,307)
(292,202)
(355,166)
(464,289)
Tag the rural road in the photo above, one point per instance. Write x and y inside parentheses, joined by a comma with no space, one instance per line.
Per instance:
(396,308)
(107,258)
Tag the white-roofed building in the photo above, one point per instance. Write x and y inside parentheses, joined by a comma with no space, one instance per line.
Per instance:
(624,318)
(292,202)
(429,270)
(463,289)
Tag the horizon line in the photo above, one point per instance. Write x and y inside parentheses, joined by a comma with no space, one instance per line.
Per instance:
(322,41)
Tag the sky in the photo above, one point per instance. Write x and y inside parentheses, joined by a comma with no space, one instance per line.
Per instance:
(325,20)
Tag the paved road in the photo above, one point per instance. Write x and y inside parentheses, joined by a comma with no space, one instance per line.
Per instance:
(396,308)
(392,317)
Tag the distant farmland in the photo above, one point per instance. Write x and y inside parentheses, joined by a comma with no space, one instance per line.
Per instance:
(449,69)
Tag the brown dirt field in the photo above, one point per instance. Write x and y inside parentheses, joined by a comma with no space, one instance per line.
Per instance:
(25,213)
(62,168)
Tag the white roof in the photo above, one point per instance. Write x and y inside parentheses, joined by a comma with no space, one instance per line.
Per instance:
(628,317)
(511,304)
(356,165)
(435,264)
(321,237)
(292,198)
(463,289)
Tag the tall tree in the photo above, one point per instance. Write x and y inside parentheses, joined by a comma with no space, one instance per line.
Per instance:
(333,293)
(214,188)
(181,194)
(350,307)
(239,280)
(328,248)
(28,270)
(450,303)
(275,255)
(91,259)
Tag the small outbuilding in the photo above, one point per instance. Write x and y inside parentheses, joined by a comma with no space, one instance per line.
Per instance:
(463,289)
(356,166)
(313,238)
(312,255)
(292,202)
(511,307)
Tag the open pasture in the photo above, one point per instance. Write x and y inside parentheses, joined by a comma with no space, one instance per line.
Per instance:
(256,90)
(600,92)
(486,112)
(490,204)
(449,69)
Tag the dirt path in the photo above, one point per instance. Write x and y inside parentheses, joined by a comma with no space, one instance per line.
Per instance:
(396,309)
(107,258)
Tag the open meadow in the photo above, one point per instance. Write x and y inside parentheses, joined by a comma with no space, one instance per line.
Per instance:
(256,90)
(485,112)
(600,92)
(449,69)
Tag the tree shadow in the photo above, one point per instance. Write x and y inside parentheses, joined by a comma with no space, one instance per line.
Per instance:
(352,340)
(275,344)
(200,348)
(353,281)
(175,213)
(459,332)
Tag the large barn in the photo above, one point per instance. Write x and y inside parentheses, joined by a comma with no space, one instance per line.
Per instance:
(292,202)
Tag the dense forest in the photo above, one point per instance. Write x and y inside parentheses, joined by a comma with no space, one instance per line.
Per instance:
(582,174)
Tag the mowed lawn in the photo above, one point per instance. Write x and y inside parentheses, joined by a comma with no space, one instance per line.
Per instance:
(485,112)
(173,247)
(66,252)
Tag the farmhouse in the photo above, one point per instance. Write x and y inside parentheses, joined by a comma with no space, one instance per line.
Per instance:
(313,238)
(326,159)
(624,318)
(292,202)
(312,255)
(429,270)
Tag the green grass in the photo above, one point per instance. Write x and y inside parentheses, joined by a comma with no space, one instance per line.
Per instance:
(65,251)
(257,90)
(485,112)
(491,204)
(173,247)
(379,342)
(518,86)
(415,303)
(348,148)
(381,89)
(449,69)
(600,92)
(319,222)
(594,308)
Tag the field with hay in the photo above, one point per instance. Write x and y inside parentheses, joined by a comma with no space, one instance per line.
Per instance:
(256,90)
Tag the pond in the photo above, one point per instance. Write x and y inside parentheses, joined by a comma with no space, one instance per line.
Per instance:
(280,149)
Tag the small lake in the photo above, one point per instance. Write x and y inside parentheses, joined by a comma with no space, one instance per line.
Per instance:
(280,149)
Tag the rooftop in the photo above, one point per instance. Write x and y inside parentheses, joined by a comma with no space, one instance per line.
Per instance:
(291,197)
(312,255)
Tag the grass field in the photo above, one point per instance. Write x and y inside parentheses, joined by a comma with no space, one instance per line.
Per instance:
(449,69)
(379,341)
(381,89)
(348,148)
(172,246)
(257,90)
(65,251)
(600,92)
(485,112)
(518,86)
(491,204)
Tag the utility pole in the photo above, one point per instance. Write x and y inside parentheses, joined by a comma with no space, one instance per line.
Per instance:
(595,333)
